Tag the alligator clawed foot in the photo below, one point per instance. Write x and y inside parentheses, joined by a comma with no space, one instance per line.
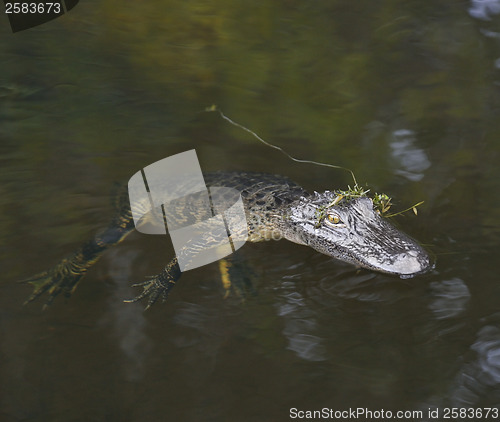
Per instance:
(59,279)
(154,288)
(41,283)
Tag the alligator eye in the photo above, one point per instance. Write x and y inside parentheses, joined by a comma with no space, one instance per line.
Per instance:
(334,219)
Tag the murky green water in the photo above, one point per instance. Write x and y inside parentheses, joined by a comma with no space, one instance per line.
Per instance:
(404,93)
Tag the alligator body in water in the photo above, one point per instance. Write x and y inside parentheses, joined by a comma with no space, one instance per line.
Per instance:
(275,207)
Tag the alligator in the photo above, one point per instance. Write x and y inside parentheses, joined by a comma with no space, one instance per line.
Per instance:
(350,230)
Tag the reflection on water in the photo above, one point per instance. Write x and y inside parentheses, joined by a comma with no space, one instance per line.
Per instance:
(127,322)
(412,159)
(487,347)
(300,324)
(477,383)
(484,9)
(356,286)
(450,298)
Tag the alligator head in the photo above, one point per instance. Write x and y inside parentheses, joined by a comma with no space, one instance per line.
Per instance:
(354,232)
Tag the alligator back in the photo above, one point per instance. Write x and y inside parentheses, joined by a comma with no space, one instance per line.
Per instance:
(264,197)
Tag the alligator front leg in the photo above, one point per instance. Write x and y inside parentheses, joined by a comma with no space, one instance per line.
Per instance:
(158,286)
(64,277)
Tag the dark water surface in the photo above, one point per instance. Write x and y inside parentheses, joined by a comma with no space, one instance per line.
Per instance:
(404,93)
